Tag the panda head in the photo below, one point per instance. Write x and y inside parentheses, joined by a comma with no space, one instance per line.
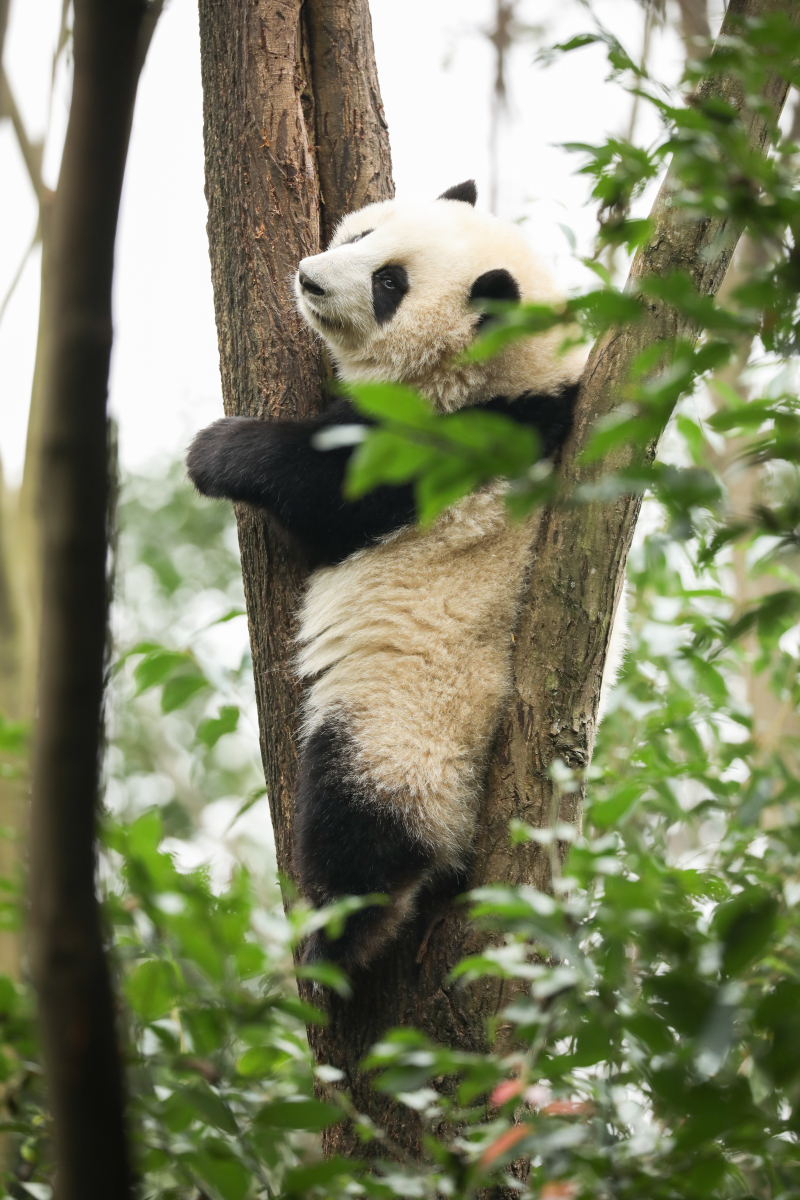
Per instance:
(396,296)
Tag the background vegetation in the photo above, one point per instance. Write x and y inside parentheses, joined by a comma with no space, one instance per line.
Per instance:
(652,1045)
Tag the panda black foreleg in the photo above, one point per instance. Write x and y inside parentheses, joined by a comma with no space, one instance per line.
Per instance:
(269,463)
(278,466)
(550,414)
(350,844)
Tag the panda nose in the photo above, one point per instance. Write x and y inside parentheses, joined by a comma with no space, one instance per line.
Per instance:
(308,285)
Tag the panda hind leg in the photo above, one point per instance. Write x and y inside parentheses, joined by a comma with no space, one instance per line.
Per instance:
(346,845)
(367,933)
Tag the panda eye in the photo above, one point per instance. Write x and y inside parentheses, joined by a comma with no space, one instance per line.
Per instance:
(389,286)
(351,241)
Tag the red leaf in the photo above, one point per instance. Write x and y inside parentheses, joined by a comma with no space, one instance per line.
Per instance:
(559,1189)
(506,1091)
(567,1108)
(504,1142)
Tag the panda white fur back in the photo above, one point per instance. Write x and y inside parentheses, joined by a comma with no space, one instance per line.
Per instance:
(405,636)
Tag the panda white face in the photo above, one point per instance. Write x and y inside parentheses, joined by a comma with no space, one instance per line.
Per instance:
(394,296)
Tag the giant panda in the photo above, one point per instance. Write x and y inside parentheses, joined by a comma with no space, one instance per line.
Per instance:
(405,635)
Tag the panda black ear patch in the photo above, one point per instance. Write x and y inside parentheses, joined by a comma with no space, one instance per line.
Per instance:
(493,285)
(467,192)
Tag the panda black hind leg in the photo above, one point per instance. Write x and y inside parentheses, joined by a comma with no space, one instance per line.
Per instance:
(350,844)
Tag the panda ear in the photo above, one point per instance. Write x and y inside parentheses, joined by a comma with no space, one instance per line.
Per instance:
(495,285)
(467,192)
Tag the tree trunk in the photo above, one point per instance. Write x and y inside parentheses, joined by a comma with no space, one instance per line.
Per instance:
(76,1007)
(273,74)
(280,79)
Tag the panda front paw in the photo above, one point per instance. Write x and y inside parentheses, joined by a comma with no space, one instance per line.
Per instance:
(212,461)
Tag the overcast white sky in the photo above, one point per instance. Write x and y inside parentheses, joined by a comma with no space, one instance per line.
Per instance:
(435,71)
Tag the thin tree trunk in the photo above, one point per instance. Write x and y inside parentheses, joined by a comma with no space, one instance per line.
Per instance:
(75,1000)
(264,114)
(694,25)
(18,603)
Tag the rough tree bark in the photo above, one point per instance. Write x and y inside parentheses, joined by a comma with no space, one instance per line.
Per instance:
(286,84)
(76,1006)
(266,122)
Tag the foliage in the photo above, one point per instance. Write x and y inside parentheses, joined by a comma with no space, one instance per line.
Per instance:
(182,709)
(220,1069)
(715,173)
(657,989)
(649,1042)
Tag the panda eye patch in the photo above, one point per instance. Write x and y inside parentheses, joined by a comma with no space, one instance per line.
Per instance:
(389,285)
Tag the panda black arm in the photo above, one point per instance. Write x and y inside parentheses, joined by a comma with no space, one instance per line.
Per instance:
(550,415)
(274,465)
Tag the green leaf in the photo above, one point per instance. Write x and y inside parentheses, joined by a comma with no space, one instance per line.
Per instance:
(180,688)
(176,671)
(14,736)
(207,1028)
(300,1180)
(9,999)
(246,805)
(260,1061)
(745,925)
(328,975)
(177,1113)
(391,401)
(158,665)
(385,456)
(250,960)
(604,813)
(196,944)
(309,1014)
(608,308)
(686,999)
(217,1166)
(210,1108)
(678,290)
(152,987)
(145,834)
(314,1115)
(213,728)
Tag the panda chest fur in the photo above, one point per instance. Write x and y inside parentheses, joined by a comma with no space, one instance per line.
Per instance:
(405,650)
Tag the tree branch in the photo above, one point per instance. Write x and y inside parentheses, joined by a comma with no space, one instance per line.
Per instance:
(12,287)
(31,151)
(68,965)
(5,6)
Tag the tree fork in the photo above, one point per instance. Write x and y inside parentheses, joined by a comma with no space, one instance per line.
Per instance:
(280,82)
(76,1007)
